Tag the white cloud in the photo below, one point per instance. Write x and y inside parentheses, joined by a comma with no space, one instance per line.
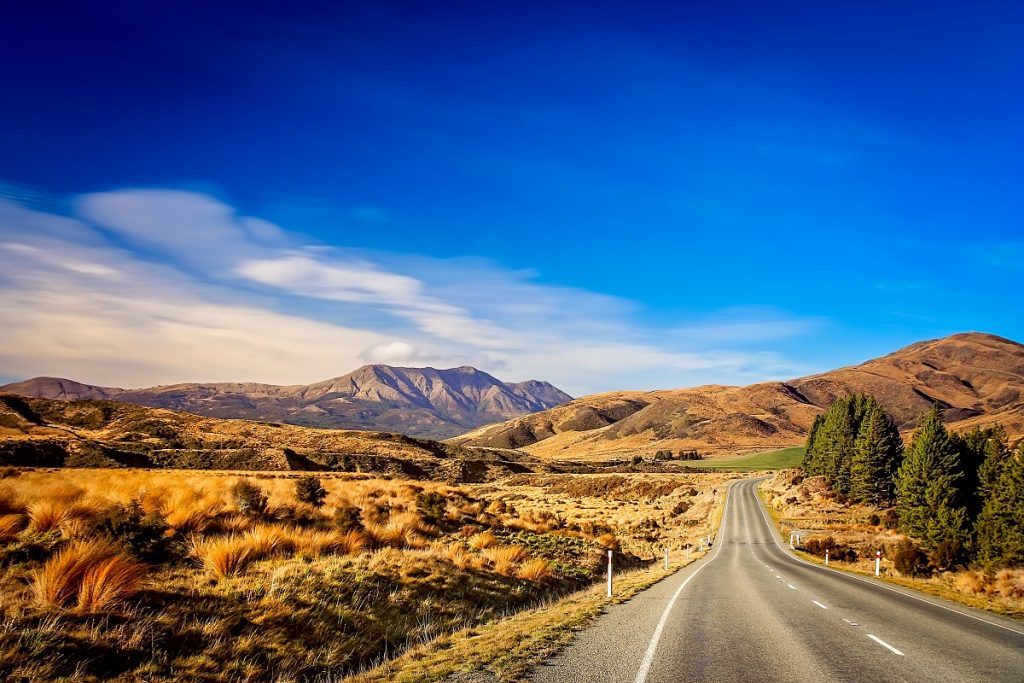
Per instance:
(155,286)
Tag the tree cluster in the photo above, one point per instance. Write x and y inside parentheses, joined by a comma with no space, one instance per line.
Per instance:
(960,496)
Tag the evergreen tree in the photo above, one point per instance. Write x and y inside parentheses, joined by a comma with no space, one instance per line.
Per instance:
(997,455)
(877,454)
(1001,523)
(927,488)
(810,461)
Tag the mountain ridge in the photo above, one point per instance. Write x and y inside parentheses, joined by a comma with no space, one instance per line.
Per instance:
(425,402)
(976,378)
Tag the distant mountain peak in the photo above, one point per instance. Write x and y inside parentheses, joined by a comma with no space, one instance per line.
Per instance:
(416,401)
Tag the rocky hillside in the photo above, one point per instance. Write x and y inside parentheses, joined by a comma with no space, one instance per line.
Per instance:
(37,432)
(415,401)
(976,378)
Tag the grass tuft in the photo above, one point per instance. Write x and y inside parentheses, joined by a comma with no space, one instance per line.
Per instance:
(92,574)
(222,555)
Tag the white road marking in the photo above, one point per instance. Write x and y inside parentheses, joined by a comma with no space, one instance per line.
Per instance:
(648,660)
(885,645)
(791,586)
(773,531)
(819,604)
(851,623)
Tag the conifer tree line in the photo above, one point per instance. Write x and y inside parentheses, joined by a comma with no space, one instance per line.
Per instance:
(960,496)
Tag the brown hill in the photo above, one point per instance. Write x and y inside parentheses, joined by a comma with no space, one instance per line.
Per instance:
(976,378)
(416,401)
(38,432)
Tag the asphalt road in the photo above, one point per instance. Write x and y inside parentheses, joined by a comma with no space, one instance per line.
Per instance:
(751,611)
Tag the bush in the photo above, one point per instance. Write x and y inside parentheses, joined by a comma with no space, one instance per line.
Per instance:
(946,554)
(309,490)
(431,504)
(910,560)
(836,551)
(249,498)
(874,519)
(891,519)
(681,507)
(142,535)
(346,518)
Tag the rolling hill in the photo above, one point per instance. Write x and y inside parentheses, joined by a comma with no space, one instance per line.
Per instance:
(415,401)
(976,378)
(39,432)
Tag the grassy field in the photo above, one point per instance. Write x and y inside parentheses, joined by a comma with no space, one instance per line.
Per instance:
(781,458)
(130,575)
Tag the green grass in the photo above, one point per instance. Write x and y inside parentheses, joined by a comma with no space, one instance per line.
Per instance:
(765,460)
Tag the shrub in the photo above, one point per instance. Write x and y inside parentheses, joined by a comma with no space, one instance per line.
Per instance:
(681,507)
(946,554)
(93,574)
(1009,584)
(141,534)
(891,519)
(249,498)
(347,518)
(9,472)
(836,551)
(910,560)
(607,540)
(874,519)
(431,504)
(309,490)
(224,555)
(536,569)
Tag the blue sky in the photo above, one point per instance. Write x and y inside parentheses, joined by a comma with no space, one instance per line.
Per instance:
(634,196)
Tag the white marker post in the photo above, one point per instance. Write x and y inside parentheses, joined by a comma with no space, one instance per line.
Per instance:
(609,573)
(878,562)
(666,558)
(826,558)
(687,555)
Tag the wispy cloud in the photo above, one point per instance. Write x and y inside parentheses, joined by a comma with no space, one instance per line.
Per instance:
(139,287)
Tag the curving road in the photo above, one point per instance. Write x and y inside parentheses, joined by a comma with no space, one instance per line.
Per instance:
(751,611)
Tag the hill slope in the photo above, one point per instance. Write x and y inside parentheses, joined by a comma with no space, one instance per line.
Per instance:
(416,401)
(976,378)
(39,432)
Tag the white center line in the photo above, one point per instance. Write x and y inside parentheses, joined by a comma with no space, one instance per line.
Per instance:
(885,645)
(819,604)
(791,586)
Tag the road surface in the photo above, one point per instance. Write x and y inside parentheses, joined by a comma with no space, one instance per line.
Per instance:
(751,611)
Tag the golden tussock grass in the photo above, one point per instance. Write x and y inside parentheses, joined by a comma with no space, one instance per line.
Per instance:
(53,514)
(222,555)
(536,569)
(482,540)
(459,556)
(92,574)
(11,525)
(505,557)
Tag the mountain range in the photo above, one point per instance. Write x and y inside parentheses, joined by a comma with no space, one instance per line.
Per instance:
(415,401)
(977,379)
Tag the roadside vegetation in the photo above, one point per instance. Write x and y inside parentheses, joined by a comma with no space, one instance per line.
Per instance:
(778,459)
(947,510)
(212,576)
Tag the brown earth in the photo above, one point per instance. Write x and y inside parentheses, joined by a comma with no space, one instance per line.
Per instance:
(977,379)
(416,401)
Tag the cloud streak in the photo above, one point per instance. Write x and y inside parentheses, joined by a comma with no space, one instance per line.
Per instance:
(137,287)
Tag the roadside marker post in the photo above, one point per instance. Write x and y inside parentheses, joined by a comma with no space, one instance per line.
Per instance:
(878,562)
(826,558)
(666,558)
(609,573)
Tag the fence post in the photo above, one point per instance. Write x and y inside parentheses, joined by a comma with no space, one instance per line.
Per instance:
(609,573)
(666,558)
(826,558)
(878,562)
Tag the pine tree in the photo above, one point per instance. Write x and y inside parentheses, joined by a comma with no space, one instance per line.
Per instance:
(927,487)
(1001,522)
(878,452)
(811,461)
(997,456)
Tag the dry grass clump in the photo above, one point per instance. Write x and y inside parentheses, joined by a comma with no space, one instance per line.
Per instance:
(311,544)
(190,512)
(1009,584)
(536,569)
(93,574)
(459,556)
(505,558)
(53,514)
(222,555)
(10,502)
(482,540)
(970,582)
(609,541)
(266,541)
(10,526)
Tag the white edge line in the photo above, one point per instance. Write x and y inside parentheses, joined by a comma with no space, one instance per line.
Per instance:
(648,660)
(885,645)
(791,586)
(819,604)
(773,530)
